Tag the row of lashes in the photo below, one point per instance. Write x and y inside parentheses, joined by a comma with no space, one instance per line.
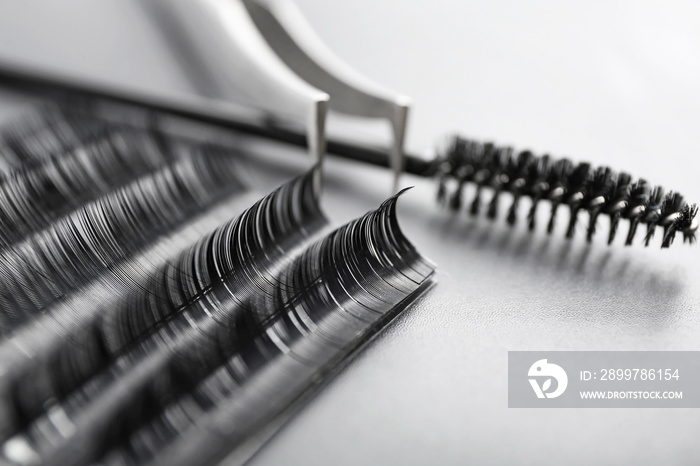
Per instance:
(134,318)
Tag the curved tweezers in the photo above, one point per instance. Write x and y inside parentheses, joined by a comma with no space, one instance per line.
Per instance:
(292,38)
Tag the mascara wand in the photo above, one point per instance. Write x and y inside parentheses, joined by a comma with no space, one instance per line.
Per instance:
(581,187)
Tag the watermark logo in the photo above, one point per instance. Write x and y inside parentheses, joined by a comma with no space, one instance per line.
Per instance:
(603,379)
(546,372)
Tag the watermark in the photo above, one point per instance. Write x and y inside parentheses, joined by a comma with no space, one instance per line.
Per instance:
(604,379)
(547,372)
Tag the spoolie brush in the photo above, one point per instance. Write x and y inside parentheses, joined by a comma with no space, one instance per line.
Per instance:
(580,186)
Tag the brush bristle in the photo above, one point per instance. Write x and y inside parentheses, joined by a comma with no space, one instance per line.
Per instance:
(581,187)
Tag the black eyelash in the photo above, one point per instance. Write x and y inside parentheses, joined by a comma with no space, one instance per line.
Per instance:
(248,289)
(92,258)
(244,252)
(33,197)
(580,187)
(76,248)
(239,252)
(325,307)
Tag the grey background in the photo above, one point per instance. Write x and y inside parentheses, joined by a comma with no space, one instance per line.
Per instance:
(610,82)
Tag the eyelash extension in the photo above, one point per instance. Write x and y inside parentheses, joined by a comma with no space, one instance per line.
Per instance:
(242,252)
(43,358)
(33,197)
(331,298)
(29,356)
(581,187)
(95,238)
(193,339)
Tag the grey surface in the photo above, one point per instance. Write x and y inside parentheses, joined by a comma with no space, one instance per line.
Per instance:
(613,82)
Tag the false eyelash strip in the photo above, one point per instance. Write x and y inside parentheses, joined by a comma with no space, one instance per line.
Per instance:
(31,198)
(244,254)
(334,295)
(288,216)
(70,252)
(44,131)
(319,307)
(188,325)
(41,359)
(106,224)
(598,191)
